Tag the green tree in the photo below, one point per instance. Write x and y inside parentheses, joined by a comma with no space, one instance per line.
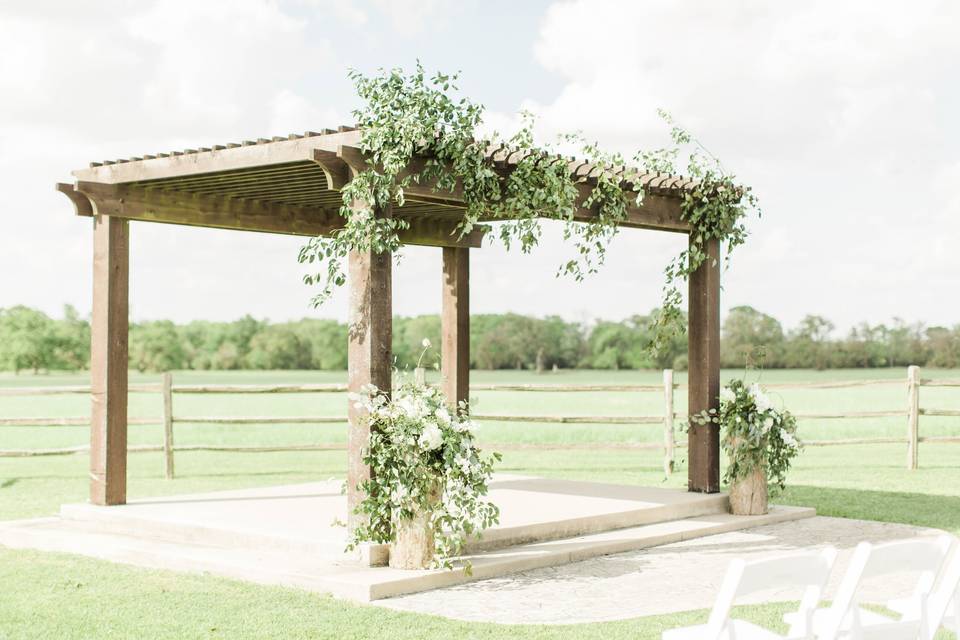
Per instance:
(751,338)
(809,346)
(156,346)
(28,339)
(278,347)
(71,341)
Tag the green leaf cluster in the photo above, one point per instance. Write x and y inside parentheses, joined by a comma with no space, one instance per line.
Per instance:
(415,129)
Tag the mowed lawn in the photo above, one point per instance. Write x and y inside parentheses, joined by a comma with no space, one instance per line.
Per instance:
(60,596)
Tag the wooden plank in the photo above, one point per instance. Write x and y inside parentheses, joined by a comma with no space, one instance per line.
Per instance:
(940,383)
(669,440)
(79,389)
(573,446)
(170,207)
(369,354)
(167,401)
(455,325)
(108,361)
(949,413)
(217,160)
(913,416)
(704,378)
(261,419)
(848,414)
(572,419)
(565,388)
(34,421)
(848,441)
(259,388)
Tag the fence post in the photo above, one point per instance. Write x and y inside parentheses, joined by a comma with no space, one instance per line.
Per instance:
(669,443)
(167,392)
(420,376)
(913,416)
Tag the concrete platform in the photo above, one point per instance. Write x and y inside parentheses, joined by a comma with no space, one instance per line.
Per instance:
(290,535)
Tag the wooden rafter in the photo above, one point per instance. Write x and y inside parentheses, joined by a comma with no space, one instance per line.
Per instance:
(137,203)
(309,170)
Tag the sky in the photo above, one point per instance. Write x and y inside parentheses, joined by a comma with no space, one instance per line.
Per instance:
(842,116)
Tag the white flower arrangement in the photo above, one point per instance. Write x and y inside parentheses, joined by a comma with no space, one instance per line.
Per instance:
(755,433)
(423,458)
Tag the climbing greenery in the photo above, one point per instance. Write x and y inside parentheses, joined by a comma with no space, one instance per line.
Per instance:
(416,130)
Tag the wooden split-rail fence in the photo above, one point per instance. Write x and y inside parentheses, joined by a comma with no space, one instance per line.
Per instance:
(669,419)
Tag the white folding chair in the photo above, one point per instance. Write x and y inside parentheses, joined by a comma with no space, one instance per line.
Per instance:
(943,605)
(846,620)
(809,570)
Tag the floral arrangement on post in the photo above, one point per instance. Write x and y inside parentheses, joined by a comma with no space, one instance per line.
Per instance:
(760,441)
(428,479)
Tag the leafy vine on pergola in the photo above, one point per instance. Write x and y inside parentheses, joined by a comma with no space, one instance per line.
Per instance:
(412,116)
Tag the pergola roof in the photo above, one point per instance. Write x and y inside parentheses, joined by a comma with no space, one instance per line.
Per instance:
(292,185)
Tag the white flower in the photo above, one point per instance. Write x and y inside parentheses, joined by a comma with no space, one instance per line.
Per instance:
(759,398)
(443,416)
(768,424)
(788,439)
(425,343)
(431,438)
(727,395)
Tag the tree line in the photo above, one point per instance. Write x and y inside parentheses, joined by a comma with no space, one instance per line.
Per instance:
(32,341)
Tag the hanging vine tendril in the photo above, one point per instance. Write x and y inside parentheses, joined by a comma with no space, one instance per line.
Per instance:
(413,117)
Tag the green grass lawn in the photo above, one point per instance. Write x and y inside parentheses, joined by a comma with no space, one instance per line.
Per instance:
(59,596)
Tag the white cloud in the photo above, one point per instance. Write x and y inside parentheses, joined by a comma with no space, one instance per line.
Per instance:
(834,112)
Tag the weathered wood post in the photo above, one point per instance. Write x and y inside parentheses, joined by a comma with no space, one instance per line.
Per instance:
(455,325)
(704,375)
(669,443)
(166,390)
(108,361)
(913,416)
(369,354)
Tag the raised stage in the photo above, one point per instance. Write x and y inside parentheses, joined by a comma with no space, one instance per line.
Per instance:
(290,535)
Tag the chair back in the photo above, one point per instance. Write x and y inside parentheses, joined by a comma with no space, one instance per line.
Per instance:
(944,601)
(923,555)
(809,569)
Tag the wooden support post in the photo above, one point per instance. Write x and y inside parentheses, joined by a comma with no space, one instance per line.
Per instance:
(913,416)
(166,389)
(369,355)
(704,374)
(108,361)
(669,443)
(455,325)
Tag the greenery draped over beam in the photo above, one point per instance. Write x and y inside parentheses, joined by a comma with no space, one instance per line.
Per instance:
(410,117)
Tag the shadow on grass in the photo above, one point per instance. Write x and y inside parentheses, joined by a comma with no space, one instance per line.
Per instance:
(925,510)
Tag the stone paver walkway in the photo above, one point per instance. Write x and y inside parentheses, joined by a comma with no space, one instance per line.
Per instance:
(675,577)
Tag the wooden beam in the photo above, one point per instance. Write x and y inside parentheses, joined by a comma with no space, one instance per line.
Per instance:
(108,361)
(704,372)
(656,212)
(197,163)
(369,355)
(171,207)
(455,325)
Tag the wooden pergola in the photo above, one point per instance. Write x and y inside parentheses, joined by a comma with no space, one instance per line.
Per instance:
(292,186)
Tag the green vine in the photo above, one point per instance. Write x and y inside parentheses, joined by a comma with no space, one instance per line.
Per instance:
(408,118)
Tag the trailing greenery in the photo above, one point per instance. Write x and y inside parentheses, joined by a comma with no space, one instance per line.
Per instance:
(755,434)
(423,459)
(414,130)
